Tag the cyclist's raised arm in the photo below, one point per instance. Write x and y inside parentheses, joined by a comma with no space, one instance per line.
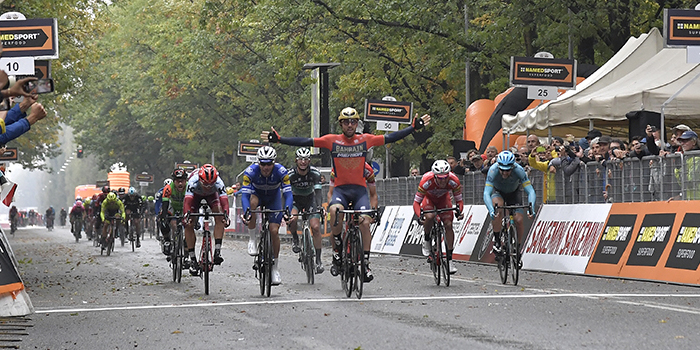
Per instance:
(418,123)
(273,136)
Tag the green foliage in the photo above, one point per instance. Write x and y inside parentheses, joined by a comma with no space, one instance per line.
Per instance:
(152,83)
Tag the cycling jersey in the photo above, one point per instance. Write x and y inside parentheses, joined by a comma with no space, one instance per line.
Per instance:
(111,207)
(429,189)
(172,197)
(267,189)
(133,202)
(518,177)
(304,185)
(215,195)
(158,200)
(77,210)
(367,174)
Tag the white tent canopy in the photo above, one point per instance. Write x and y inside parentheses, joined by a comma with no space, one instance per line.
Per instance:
(576,105)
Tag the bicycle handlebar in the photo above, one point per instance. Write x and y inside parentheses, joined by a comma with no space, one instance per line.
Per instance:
(514,207)
(372,212)
(249,212)
(438,210)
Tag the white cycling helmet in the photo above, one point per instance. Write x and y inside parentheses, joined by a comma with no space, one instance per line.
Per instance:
(167,182)
(440,167)
(303,153)
(266,154)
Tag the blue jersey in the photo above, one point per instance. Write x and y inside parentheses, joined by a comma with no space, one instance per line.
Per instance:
(266,188)
(159,200)
(518,177)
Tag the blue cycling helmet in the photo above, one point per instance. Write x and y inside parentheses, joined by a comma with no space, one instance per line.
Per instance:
(132,190)
(506,160)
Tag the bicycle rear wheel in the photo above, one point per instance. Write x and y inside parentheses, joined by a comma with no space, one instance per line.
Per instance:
(514,255)
(359,266)
(444,263)
(206,264)
(308,253)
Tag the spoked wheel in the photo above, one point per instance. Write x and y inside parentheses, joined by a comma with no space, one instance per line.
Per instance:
(444,263)
(502,260)
(346,272)
(268,264)
(514,255)
(180,258)
(206,264)
(435,252)
(132,239)
(359,265)
(309,257)
(110,240)
(260,265)
(122,236)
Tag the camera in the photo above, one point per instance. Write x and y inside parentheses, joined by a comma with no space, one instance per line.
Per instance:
(41,86)
(653,128)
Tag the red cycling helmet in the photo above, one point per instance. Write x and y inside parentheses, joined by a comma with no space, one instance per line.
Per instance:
(208,174)
(105,189)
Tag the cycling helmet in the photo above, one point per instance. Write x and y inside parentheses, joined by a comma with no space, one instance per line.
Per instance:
(111,196)
(303,153)
(94,197)
(506,160)
(348,113)
(78,202)
(441,168)
(167,182)
(78,198)
(266,154)
(105,189)
(179,174)
(150,198)
(122,190)
(132,190)
(208,174)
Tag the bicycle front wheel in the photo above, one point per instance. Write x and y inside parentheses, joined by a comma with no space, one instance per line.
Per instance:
(180,257)
(268,263)
(346,270)
(503,260)
(433,258)
(359,264)
(442,256)
(514,255)
(206,264)
(308,255)
(110,240)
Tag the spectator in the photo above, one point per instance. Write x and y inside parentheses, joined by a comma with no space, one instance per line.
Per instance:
(638,148)
(585,142)
(618,149)
(691,173)
(323,180)
(457,169)
(538,160)
(676,132)
(568,163)
(491,153)
(521,158)
(532,142)
(414,172)
(478,163)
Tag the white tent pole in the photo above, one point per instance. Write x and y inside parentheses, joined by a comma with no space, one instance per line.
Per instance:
(663,105)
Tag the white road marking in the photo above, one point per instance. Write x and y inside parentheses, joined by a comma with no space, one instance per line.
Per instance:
(402,298)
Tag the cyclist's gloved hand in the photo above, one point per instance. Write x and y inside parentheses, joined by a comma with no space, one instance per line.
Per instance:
(421,220)
(492,214)
(460,216)
(418,123)
(273,136)
(227,221)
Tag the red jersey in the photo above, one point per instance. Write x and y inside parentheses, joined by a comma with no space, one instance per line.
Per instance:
(348,155)
(429,188)
(368,174)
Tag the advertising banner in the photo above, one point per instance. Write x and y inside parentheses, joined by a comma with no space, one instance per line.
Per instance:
(650,227)
(561,239)
(392,229)
(467,231)
(9,277)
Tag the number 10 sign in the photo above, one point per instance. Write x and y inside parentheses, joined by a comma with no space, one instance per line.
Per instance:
(17,65)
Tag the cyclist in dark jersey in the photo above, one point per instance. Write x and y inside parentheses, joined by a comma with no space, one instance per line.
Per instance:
(132,204)
(306,189)
(348,152)
(172,199)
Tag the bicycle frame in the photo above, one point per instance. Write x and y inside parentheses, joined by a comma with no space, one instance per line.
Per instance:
(265,258)
(308,252)
(177,253)
(354,265)
(437,259)
(510,258)
(206,259)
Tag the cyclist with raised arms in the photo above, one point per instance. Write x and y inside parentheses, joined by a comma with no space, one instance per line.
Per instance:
(434,193)
(306,190)
(348,152)
(503,182)
(368,174)
(205,183)
(172,200)
(264,184)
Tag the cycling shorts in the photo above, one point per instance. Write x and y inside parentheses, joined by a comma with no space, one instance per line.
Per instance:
(307,203)
(513,198)
(273,202)
(440,203)
(133,209)
(212,201)
(351,194)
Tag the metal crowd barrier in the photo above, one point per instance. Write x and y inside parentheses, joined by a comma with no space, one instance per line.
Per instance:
(652,178)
